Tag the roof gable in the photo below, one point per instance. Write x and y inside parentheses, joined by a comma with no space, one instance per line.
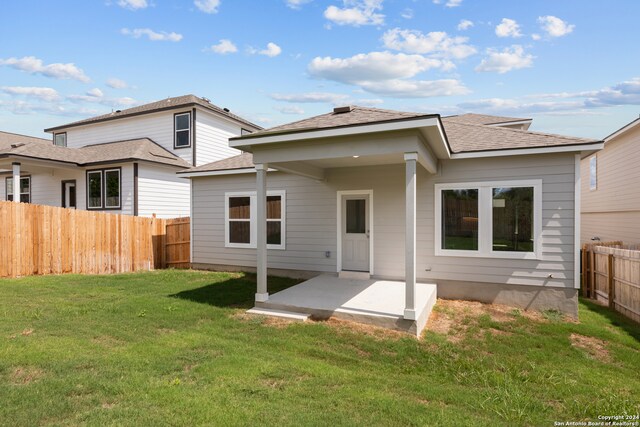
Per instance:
(157,106)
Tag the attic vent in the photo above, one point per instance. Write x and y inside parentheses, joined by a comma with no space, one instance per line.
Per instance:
(206,100)
(226,109)
(345,109)
(118,111)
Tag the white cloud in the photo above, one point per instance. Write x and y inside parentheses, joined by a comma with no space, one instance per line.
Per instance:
(464,24)
(33,65)
(407,13)
(449,3)
(511,58)
(95,92)
(290,110)
(388,74)
(554,26)
(223,47)
(271,51)
(207,6)
(437,43)
(399,88)
(356,13)
(133,4)
(508,28)
(374,66)
(42,93)
(311,97)
(136,33)
(535,37)
(296,4)
(117,83)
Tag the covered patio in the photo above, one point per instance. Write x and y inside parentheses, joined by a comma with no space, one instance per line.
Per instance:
(352,138)
(374,302)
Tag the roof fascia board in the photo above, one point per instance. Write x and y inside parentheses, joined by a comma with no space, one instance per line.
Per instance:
(140,113)
(523,151)
(622,130)
(333,132)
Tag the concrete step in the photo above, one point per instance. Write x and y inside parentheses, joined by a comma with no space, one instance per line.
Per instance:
(279,313)
(355,275)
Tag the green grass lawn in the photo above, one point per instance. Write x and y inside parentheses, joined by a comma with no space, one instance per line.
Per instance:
(173,348)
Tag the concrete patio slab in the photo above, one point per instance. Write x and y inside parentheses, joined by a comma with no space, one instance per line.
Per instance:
(374,302)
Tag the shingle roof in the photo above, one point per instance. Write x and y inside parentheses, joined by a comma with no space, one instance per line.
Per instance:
(357,116)
(465,137)
(165,104)
(465,133)
(8,138)
(241,161)
(483,119)
(142,149)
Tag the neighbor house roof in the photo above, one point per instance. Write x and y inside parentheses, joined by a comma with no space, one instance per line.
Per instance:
(152,107)
(142,149)
(623,129)
(8,138)
(467,133)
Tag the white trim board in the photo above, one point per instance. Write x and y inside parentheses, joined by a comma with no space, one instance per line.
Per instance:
(220,172)
(339,195)
(576,223)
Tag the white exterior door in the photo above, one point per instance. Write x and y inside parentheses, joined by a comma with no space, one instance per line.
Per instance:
(69,194)
(355,232)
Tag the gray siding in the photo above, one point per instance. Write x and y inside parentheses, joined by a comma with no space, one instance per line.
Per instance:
(311,219)
(612,210)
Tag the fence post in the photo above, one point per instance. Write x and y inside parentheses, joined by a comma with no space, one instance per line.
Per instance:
(611,282)
(592,278)
(584,271)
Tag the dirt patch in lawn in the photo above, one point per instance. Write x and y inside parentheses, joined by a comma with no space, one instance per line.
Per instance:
(453,318)
(276,322)
(24,375)
(595,347)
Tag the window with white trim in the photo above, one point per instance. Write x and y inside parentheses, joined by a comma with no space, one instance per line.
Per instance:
(489,219)
(593,173)
(182,129)
(241,215)
(25,189)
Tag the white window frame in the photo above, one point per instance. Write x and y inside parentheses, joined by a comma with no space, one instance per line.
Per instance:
(9,188)
(253,219)
(485,219)
(593,172)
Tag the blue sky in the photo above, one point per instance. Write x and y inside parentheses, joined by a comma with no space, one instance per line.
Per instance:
(571,65)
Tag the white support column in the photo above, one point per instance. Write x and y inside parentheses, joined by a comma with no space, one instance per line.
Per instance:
(262,294)
(16,181)
(410,236)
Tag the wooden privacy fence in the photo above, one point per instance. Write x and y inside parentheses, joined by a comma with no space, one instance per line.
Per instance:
(611,274)
(178,243)
(37,239)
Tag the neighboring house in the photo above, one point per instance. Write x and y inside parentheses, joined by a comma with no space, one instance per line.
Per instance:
(483,210)
(123,162)
(610,196)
